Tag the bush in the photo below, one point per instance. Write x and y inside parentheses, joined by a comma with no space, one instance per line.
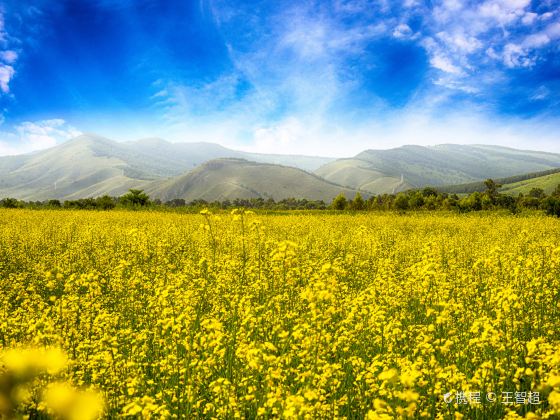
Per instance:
(357,203)
(105,203)
(401,202)
(10,203)
(54,203)
(135,198)
(551,206)
(340,202)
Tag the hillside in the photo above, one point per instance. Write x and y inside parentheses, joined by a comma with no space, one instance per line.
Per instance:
(548,183)
(542,179)
(81,167)
(90,165)
(361,174)
(380,171)
(224,179)
(183,156)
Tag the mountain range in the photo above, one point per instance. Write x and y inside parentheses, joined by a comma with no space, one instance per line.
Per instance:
(90,165)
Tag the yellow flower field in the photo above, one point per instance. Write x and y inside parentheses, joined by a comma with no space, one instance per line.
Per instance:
(279,316)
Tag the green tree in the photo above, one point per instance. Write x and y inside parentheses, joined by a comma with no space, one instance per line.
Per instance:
(551,206)
(530,202)
(401,202)
(54,203)
(537,193)
(10,203)
(339,202)
(416,200)
(429,192)
(105,202)
(357,203)
(491,190)
(508,202)
(135,198)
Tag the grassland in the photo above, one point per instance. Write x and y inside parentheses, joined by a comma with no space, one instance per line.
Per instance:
(301,315)
(513,185)
(548,183)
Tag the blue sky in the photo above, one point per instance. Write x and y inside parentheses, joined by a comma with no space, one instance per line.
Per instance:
(315,77)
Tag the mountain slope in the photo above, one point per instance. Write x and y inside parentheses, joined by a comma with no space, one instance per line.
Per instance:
(231,178)
(378,171)
(183,156)
(360,174)
(90,165)
(547,182)
(537,178)
(66,170)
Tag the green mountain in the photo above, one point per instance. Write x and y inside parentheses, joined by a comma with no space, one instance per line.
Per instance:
(231,178)
(386,171)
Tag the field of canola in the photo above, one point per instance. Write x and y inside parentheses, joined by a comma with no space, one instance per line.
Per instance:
(312,315)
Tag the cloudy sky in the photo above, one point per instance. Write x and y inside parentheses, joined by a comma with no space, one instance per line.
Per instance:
(328,77)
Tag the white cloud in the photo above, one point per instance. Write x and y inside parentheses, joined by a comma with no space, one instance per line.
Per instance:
(455,84)
(411,3)
(6,74)
(9,56)
(515,56)
(296,68)
(540,94)
(460,42)
(504,12)
(467,40)
(536,40)
(30,136)
(412,126)
(402,31)
(282,137)
(553,30)
(295,62)
(529,18)
(444,64)
(525,52)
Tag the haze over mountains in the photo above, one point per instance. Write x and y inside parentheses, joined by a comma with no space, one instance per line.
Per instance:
(89,166)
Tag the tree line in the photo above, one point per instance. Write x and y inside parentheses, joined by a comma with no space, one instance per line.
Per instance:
(428,198)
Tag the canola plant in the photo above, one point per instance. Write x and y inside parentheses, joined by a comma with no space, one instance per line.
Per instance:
(311,315)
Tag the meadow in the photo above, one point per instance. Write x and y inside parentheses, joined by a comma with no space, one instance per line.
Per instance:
(310,315)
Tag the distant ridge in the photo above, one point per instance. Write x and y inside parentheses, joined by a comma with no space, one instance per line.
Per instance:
(386,171)
(91,165)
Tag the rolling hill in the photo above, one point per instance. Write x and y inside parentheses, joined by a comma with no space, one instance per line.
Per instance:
(183,156)
(231,178)
(90,165)
(386,171)
(546,180)
(86,166)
